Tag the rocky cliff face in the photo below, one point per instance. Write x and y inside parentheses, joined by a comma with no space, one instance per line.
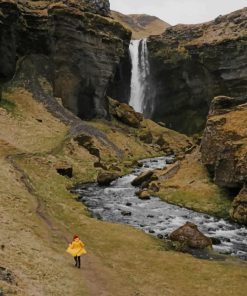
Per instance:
(83,47)
(224,150)
(190,64)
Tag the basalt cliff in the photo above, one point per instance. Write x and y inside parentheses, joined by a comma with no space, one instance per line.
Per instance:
(224,150)
(191,64)
(73,44)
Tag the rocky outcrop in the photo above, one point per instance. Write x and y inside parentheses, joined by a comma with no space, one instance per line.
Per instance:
(191,237)
(224,149)
(143,177)
(224,143)
(105,178)
(141,25)
(239,207)
(82,45)
(125,113)
(8,16)
(191,64)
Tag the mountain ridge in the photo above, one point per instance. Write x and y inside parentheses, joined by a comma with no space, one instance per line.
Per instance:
(141,25)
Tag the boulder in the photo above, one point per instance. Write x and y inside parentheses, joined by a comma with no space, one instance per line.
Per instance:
(143,177)
(191,237)
(105,178)
(238,210)
(143,194)
(64,169)
(125,113)
(126,213)
(221,105)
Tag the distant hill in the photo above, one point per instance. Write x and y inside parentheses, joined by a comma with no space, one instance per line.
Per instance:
(142,25)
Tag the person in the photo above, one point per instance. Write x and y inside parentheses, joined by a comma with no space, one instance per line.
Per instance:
(76,249)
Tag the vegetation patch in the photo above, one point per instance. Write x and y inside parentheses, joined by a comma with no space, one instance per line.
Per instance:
(7,105)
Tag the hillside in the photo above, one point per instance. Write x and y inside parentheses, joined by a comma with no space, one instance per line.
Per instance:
(141,25)
(58,129)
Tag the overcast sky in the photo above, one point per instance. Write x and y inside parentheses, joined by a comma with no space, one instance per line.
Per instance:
(179,11)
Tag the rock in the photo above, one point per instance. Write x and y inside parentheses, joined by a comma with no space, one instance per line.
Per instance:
(105,178)
(128,204)
(82,57)
(99,164)
(143,194)
(100,6)
(221,105)
(126,213)
(64,170)
(9,13)
(190,236)
(238,210)
(151,231)
(170,160)
(160,236)
(190,64)
(139,164)
(87,142)
(224,143)
(125,113)
(143,177)
(215,241)
(6,275)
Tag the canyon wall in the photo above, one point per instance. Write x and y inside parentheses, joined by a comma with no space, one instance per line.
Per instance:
(224,150)
(82,46)
(191,64)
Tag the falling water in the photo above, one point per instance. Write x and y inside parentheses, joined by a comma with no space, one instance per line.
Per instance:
(139,75)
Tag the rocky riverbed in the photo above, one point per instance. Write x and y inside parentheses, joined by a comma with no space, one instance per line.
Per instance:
(118,203)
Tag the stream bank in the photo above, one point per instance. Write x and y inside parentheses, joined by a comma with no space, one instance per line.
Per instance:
(118,203)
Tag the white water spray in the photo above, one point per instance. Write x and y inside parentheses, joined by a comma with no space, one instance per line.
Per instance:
(139,75)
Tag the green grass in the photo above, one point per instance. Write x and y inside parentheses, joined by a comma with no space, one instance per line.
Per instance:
(216,205)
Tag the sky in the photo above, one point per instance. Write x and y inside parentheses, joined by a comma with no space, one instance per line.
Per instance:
(179,11)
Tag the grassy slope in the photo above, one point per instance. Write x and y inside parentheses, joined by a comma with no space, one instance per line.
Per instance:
(141,27)
(191,187)
(38,220)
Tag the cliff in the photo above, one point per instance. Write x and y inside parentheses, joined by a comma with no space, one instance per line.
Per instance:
(76,40)
(191,64)
(141,25)
(224,150)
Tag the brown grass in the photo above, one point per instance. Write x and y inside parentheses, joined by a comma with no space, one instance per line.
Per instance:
(38,220)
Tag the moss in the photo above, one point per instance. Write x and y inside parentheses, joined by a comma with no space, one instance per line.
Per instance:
(8,105)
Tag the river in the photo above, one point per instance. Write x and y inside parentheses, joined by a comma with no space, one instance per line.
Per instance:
(119,204)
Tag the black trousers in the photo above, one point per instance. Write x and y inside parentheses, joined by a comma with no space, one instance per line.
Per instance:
(77,261)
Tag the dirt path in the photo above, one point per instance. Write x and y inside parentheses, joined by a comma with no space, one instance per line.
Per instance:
(92,270)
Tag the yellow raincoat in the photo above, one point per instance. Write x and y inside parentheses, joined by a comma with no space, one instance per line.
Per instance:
(76,248)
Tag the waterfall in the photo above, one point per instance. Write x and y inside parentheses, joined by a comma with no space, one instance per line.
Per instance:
(139,75)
